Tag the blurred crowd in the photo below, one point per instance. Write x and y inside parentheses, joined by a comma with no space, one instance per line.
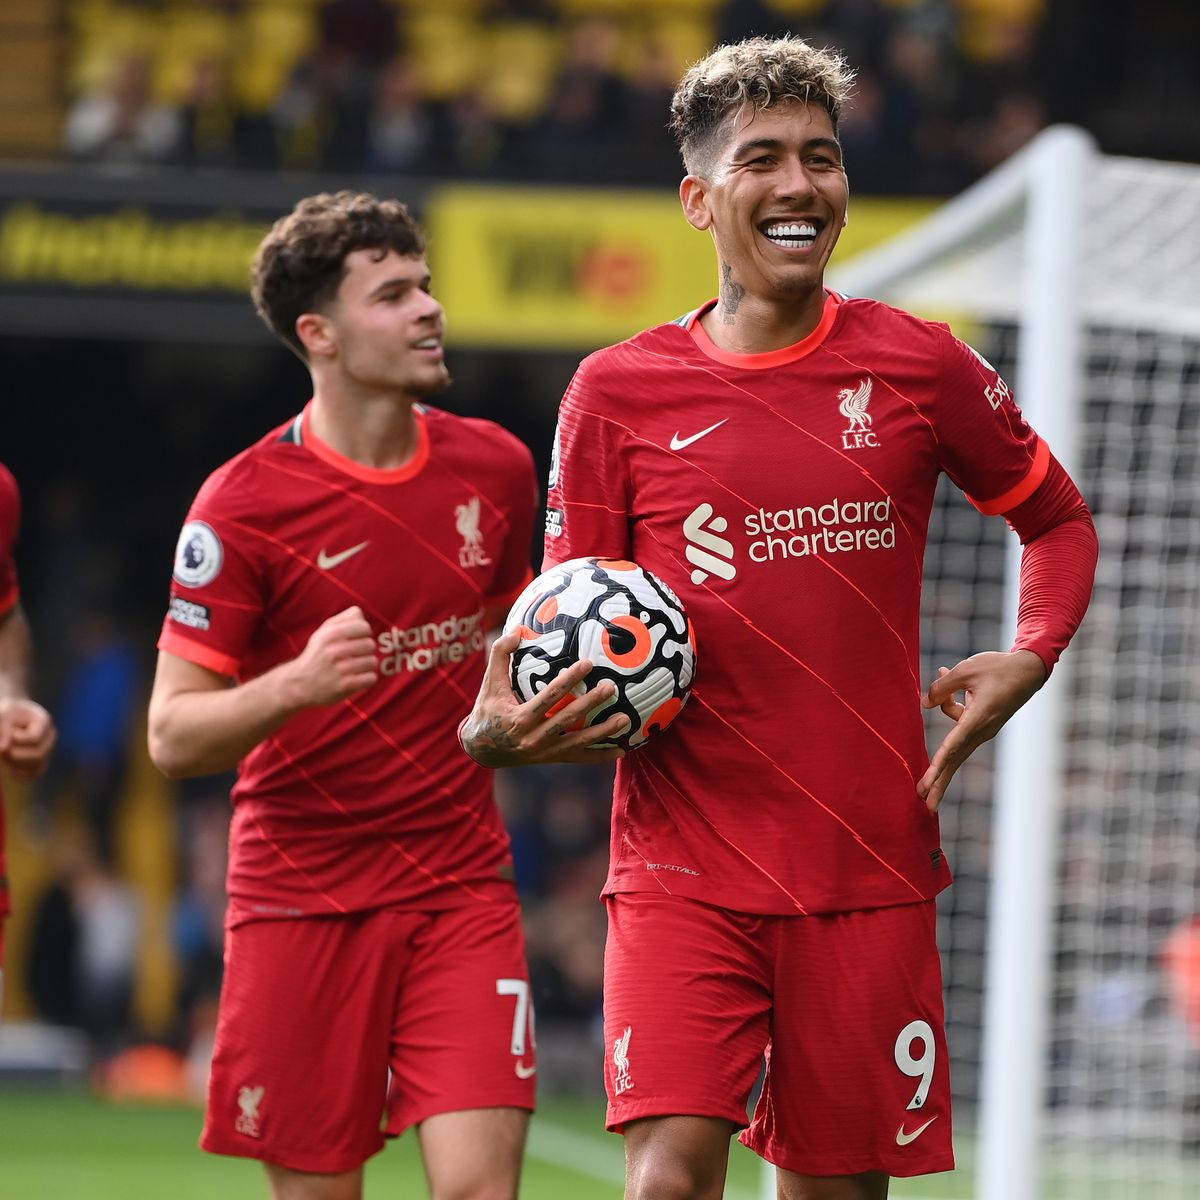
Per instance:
(560,90)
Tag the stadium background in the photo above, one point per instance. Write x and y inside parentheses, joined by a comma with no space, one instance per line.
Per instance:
(145,147)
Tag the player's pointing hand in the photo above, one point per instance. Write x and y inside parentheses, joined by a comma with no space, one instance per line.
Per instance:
(504,732)
(995,686)
(338,661)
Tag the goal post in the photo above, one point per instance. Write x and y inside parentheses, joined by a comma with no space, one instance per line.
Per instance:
(1080,276)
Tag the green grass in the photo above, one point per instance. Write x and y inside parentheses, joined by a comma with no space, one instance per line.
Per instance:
(58,1145)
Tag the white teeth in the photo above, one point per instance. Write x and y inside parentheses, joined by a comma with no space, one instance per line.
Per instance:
(429,343)
(791,232)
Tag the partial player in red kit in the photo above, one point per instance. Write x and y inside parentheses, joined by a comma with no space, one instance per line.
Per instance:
(333,588)
(773,457)
(26,729)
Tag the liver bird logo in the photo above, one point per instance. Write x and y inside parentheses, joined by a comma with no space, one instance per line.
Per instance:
(466,521)
(853,406)
(249,1099)
(622,1082)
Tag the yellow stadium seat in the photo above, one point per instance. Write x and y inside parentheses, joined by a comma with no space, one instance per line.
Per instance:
(271,39)
(190,34)
(447,51)
(522,58)
(102,34)
(684,39)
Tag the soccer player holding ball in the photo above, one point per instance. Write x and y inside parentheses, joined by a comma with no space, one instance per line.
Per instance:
(333,588)
(27,731)
(772,457)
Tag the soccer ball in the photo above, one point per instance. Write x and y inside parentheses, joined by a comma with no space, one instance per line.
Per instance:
(626,621)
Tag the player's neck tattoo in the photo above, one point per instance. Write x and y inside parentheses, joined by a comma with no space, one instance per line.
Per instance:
(731,294)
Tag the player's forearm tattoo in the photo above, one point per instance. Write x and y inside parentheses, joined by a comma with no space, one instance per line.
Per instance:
(489,743)
(731,294)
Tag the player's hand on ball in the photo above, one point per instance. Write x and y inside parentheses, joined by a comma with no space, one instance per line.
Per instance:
(338,661)
(995,686)
(27,736)
(504,732)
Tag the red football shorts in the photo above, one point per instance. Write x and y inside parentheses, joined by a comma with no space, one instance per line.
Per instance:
(846,1007)
(316,1011)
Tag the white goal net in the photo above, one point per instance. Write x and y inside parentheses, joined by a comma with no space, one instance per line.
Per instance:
(1117,1103)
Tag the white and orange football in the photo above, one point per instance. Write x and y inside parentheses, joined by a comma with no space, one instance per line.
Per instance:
(626,621)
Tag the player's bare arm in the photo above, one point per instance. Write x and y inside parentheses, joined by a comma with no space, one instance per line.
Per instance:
(504,732)
(995,686)
(200,723)
(27,731)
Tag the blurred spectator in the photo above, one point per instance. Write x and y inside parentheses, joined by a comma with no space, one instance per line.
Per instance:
(401,127)
(356,39)
(920,84)
(215,131)
(648,144)
(359,33)
(863,134)
(96,710)
(1017,118)
(581,134)
(123,124)
(83,947)
(469,139)
(1180,957)
(198,927)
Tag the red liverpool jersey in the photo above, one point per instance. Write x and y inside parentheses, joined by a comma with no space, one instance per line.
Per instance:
(10,520)
(369,802)
(786,499)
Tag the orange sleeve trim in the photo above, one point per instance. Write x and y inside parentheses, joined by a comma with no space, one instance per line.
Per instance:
(198,653)
(8,600)
(1023,490)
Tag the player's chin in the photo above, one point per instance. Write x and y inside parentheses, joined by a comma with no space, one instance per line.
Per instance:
(432,381)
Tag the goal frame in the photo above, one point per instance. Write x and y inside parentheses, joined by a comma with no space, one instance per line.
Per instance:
(1047,179)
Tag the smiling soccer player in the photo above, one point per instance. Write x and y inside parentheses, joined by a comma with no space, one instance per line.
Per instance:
(773,456)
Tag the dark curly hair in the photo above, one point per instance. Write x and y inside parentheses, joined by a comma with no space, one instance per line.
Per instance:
(300,264)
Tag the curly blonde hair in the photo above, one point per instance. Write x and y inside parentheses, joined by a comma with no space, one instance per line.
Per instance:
(759,71)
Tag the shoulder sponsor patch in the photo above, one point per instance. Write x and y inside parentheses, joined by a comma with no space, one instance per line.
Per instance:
(189,613)
(198,555)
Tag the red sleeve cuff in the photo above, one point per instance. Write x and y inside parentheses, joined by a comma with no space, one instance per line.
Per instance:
(1043,648)
(8,601)
(1023,490)
(198,653)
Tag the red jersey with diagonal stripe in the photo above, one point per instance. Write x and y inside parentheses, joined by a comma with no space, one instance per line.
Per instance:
(785,497)
(10,520)
(370,802)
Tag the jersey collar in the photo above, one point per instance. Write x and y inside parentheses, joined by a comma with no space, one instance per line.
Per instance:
(300,433)
(772,358)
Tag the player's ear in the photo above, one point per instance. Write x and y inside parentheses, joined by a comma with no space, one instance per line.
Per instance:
(693,195)
(315,334)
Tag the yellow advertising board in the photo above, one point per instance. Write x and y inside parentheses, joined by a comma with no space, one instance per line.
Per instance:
(575,268)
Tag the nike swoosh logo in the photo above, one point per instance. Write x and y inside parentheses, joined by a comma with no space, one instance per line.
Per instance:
(902,1138)
(678,443)
(524,1072)
(328,561)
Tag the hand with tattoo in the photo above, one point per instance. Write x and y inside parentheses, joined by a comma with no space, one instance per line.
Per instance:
(504,732)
